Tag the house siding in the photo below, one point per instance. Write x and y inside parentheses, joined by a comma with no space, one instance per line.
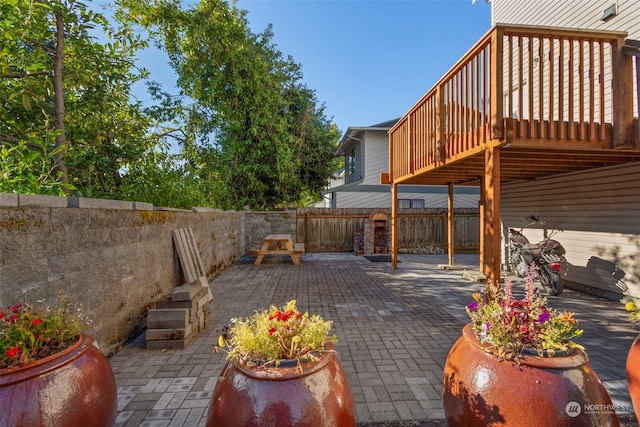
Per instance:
(376,158)
(569,13)
(361,199)
(599,214)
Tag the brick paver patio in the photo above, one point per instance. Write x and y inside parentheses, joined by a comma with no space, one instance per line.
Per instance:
(395,328)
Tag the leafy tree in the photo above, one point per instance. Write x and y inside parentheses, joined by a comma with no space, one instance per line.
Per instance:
(257,134)
(66,120)
(248,131)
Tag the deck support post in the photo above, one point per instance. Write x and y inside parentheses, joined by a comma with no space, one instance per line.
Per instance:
(622,97)
(450,226)
(394,226)
(491,214)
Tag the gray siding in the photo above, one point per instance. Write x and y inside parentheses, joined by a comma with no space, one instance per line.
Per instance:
(376,158)
(599,215)
(363,199)
(569,13)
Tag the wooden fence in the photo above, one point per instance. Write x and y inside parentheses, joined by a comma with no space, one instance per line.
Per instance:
(332,230)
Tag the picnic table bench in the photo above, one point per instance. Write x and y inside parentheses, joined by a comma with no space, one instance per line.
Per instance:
(278,244)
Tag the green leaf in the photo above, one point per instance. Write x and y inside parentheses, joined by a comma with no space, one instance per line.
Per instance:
(26,101)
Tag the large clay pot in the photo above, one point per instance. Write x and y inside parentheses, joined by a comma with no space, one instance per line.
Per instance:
(318,396)
(480,390)
(75,387)
(633,374)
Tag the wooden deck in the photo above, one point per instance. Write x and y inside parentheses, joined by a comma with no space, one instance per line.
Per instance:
(554,100)
(524,103)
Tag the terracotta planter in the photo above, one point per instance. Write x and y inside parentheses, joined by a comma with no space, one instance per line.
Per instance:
(282,397)
(479,390)
(633,374)
(75,387)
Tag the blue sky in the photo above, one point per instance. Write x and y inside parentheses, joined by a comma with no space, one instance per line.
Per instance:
(368,60)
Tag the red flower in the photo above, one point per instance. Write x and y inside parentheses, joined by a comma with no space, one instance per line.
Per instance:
(36,321)
(13,318)
(272,331)
(3,314)
(13,352)
(16,308)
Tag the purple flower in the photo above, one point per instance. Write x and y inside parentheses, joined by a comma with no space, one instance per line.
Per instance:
(543,317)
(473,306)
(487,325)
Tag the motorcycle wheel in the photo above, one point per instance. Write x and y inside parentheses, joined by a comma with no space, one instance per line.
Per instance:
(517,263)
(550,280)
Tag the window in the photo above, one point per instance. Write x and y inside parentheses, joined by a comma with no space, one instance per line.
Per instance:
(410,203)
(351,162)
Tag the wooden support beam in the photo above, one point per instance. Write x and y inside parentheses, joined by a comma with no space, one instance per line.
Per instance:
(492,214)
(450,226)
(394,226)
(622,96)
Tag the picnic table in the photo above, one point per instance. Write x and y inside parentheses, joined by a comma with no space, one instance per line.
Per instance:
(278,244)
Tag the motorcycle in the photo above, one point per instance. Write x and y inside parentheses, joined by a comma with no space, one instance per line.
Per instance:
(545,256)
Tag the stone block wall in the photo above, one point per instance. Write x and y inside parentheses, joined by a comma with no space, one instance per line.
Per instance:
(259,224)
(117,257)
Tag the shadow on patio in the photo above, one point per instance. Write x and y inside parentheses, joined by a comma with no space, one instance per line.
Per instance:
(395,329)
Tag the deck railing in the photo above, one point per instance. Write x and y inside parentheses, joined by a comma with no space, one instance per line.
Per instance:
(560,85)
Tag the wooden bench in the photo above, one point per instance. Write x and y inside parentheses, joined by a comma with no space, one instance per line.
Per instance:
(298,248)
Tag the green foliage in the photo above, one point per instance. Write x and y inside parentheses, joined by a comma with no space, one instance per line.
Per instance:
(257,134)
(243,131)
(30,169)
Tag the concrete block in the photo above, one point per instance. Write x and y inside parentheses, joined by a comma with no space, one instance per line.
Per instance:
(87,203)
(41,200)
(8,200)
(168,334)
(170,344)
(142,206)
(202,323)
(204,301)
(186,292)
(168,318)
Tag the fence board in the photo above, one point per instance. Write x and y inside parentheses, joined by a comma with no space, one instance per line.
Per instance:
(332,230)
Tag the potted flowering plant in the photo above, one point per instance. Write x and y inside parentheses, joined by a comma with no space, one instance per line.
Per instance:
(273,357)
(270,336)
(42,350)
(29,333)
(520,350)
(633,360)
(513,327)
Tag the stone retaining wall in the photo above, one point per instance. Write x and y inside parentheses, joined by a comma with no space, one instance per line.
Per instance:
(117,257)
